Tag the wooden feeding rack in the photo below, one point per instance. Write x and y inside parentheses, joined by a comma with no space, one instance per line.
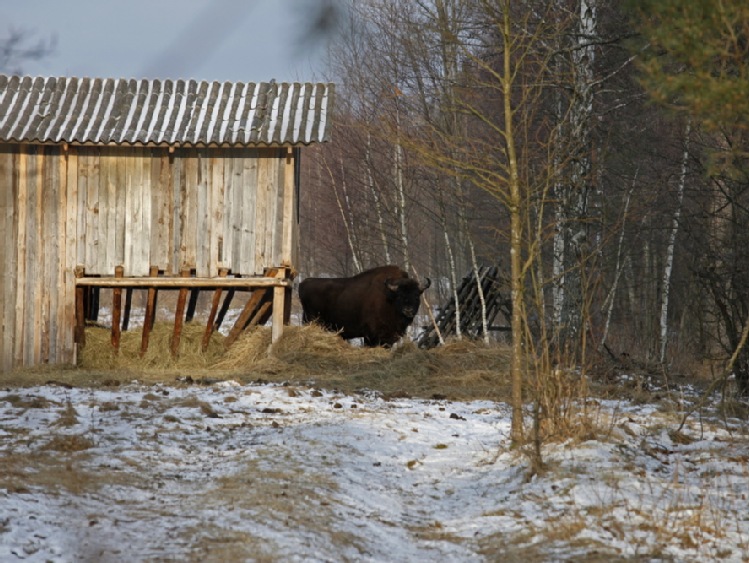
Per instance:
(271,298)
(492,285)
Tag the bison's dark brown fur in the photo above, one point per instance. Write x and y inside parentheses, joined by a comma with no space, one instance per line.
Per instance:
(377,305)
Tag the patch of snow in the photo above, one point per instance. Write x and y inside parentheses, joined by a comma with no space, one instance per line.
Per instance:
(298,474)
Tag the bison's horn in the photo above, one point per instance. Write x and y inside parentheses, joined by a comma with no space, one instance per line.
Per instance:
(424,285)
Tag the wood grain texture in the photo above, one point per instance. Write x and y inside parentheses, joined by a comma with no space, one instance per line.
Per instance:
(101,207)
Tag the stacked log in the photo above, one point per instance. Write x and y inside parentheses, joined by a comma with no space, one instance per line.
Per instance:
(469,301)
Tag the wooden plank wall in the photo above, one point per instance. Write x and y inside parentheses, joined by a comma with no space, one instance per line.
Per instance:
(132,206)
(8,252)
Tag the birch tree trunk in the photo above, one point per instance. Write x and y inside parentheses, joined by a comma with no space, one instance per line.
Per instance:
(376,197)
(571,212)
(668,268)
(345,211)
(400,189)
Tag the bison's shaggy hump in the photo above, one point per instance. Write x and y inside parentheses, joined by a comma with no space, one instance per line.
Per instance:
(377,305)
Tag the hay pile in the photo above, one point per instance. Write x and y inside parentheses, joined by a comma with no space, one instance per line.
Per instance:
(99,354)
(306,355)
(311,355)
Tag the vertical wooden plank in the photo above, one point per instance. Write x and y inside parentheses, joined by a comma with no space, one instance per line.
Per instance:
(216,207)
(137,218)
(175,215)
(74,253)
(260,205)
(6,186)
(127,189)
(275,218)
(36,289)
(122,186)
(99,266)
(161,194)
(52,200)
(144,258)
(108,213)
(295,209)
(8,232)
(89,173)
(240,226)
(289,205)
(22,224)
(188,210)
(230,212)
(203,227)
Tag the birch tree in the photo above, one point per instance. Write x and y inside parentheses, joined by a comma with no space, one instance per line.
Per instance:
(573,187)
(671,246)
(505,63)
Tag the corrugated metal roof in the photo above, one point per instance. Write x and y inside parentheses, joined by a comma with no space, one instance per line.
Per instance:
(162,112)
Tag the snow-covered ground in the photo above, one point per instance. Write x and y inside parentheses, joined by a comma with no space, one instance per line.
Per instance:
(231,472)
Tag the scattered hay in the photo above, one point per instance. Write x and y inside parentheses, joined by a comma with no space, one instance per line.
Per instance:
(69,443)
(306,355)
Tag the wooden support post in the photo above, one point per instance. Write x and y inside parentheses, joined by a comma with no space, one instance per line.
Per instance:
(119,271)
(279,308)
(179,314)
(148,319)
(262,314)
(80,309)
(209,328)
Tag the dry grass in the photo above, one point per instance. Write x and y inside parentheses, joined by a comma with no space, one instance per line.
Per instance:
(460,370)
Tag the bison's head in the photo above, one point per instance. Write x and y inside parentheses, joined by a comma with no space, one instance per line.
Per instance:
(405,294)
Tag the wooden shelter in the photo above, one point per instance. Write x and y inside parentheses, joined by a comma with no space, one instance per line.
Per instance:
(145,183)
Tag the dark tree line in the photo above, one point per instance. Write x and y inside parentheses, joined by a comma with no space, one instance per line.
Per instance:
(628,124)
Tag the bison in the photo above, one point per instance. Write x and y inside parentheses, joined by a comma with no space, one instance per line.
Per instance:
(377,305)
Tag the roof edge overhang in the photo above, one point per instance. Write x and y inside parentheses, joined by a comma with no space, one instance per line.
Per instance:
(172,146)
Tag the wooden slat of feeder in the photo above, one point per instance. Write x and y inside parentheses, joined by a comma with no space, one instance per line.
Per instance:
(150,313)
(179,315)
(119,271)
(209,328)
(176,283)
(250,309)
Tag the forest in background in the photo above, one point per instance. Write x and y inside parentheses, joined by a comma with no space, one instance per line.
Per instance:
(595,150)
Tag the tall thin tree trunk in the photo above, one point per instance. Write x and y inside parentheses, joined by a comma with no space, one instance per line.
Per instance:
(376,197)
(400,188)
(516,234)
(618,269)
(353,246)
(450,259)
(570,252)
(668,268)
